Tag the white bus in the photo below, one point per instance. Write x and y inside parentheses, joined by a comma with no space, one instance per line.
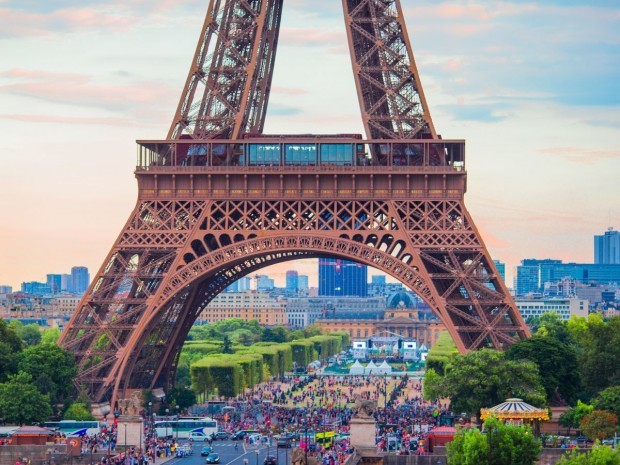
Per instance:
(71,428)
(183,426)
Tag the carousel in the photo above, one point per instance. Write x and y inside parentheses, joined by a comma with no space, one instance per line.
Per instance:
(516,412)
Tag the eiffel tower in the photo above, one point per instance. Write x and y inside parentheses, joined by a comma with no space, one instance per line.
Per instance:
(218,200)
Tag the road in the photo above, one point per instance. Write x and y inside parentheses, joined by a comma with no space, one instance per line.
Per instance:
(244,455)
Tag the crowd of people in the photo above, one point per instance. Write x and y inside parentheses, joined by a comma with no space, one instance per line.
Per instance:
(302,406)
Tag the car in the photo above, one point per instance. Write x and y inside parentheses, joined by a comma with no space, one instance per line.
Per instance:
(184,450)
(240,435)
(206,450)
(220,436)
(284,440)
(255,438)
(270,460)
(198,436)
(213,458)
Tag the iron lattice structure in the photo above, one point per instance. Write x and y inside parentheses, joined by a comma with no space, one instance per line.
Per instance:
(218,200)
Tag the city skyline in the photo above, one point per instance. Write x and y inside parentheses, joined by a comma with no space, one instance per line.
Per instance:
(541,127)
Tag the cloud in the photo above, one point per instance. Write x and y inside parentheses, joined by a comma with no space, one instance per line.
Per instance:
(288,90)
(310,37)
(492,113)
(276,109)
(133,100)
(19,23)
(123,122)
(580,155)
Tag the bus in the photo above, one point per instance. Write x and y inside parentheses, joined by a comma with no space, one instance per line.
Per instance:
(183,426)
(325,438)
(72,428)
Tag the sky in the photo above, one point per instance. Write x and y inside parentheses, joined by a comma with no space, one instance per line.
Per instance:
(533,87)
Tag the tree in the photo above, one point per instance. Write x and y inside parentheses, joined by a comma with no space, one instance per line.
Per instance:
(79,412)
(52,368)
(571,417)
(9,336)
(227,346)
(21,402)
(599,424)
(432,385)
(484,378)
(551,325)
(608,400)
(599,346)
(245,338)
(557,365)
(599,455)
(31,335)
(182,397)
(500,444)
(8,361)
(50,336)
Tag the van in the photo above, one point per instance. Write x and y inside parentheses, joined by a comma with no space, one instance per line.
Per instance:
(197,436)
(255,438)
(240,435)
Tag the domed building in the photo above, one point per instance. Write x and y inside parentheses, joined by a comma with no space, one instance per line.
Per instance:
(405,316)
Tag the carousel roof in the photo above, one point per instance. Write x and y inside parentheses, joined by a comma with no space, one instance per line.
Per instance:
(514,409)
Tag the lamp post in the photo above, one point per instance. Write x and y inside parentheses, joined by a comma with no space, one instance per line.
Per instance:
(125,441)
(256,452)
(167,422)
(384,391)
(177,407)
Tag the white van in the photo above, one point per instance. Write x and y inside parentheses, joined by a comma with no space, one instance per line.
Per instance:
(197,436)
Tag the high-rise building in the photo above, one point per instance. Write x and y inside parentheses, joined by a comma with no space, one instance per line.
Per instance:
(54,281)
(292,281)
(527,275)
(342,278)
(302,282)
(264,283)
(241,285)
(6,290)
(501,269)
(607,248)
(79,279)
(65,282)
(35,287)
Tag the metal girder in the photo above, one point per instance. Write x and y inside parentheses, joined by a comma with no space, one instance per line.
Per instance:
(391,98)
(228,85)
(192,233)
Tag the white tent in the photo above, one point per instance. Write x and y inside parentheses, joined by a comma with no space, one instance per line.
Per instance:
(356,369)
(384,368)
(371,369)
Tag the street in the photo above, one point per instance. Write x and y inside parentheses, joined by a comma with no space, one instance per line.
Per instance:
(244,455)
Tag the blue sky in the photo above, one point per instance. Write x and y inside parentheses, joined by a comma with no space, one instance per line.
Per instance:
(534,88)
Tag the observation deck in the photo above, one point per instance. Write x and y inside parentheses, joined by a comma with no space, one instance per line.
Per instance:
(301,166)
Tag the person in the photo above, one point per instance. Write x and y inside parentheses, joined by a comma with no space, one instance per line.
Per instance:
(236,445)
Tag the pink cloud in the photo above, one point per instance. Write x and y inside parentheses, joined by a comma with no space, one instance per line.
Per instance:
(23,23)
(472,11)
(79,89)
(579,155)
(308,37)
(68,119)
